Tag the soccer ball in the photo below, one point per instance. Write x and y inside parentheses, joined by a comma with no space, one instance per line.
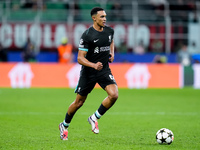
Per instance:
(164,136)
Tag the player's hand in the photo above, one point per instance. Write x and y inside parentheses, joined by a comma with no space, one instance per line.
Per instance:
(98,66)
(111,58)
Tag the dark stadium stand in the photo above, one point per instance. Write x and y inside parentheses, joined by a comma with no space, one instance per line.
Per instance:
(153,14)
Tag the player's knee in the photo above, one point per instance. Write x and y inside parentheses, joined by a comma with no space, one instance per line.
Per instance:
(79,101)
(79,104)
(114,96)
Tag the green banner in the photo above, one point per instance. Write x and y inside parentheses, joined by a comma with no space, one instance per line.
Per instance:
(188,76)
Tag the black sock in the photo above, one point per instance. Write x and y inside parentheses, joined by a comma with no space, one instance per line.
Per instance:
(101,110)
(68,118)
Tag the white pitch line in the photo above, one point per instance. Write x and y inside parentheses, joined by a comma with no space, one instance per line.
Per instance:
(109,113)
(157,113)
(30,113)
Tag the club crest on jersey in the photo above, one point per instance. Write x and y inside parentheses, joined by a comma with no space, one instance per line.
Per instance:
(109,37)
(96,50)
(80,43)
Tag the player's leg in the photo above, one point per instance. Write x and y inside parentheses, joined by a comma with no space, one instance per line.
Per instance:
(112,91)
(107,103)
(63,126)
(79,101)
(85,86)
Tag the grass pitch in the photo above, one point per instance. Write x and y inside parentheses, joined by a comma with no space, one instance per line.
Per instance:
(29,119)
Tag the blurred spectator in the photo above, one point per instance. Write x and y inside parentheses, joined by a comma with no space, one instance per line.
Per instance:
(184,56)
(179,10)
(140,48)
(191,5)
(157,46)
(177,45)
(160,59)
(116,12)
(193,17)
(33,4)
(193,12)
(65,51)
(28,4)
(192,49)
(76,9)
(158,6)
(122,47)
(28,53)
(15,5)
(3,54)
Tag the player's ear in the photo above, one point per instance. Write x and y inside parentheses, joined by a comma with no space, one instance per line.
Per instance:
(94,17)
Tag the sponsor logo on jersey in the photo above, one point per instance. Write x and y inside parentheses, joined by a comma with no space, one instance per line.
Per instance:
(106,48)
(101,49)
(96,50)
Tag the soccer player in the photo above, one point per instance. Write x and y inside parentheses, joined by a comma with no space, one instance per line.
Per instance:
(96,50)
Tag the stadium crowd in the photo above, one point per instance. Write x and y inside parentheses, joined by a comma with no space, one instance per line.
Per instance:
(120,11)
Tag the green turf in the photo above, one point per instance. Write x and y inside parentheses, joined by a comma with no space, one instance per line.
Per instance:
(29,119)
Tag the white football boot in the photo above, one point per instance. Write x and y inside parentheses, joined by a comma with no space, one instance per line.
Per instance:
(63,132)
(94,125)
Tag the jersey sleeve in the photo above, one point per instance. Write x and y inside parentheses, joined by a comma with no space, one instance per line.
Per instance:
(112,31)
(83,43)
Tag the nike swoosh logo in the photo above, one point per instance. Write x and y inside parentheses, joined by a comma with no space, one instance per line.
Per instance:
(96,40)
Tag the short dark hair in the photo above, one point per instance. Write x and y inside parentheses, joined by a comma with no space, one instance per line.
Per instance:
(95,9)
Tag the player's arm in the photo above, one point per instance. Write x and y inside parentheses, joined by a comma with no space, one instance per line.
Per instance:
(83,61)
(112,46)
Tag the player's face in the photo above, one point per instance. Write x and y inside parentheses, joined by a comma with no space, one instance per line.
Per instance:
(101,18)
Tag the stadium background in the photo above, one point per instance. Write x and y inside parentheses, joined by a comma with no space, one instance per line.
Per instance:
(144,31)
